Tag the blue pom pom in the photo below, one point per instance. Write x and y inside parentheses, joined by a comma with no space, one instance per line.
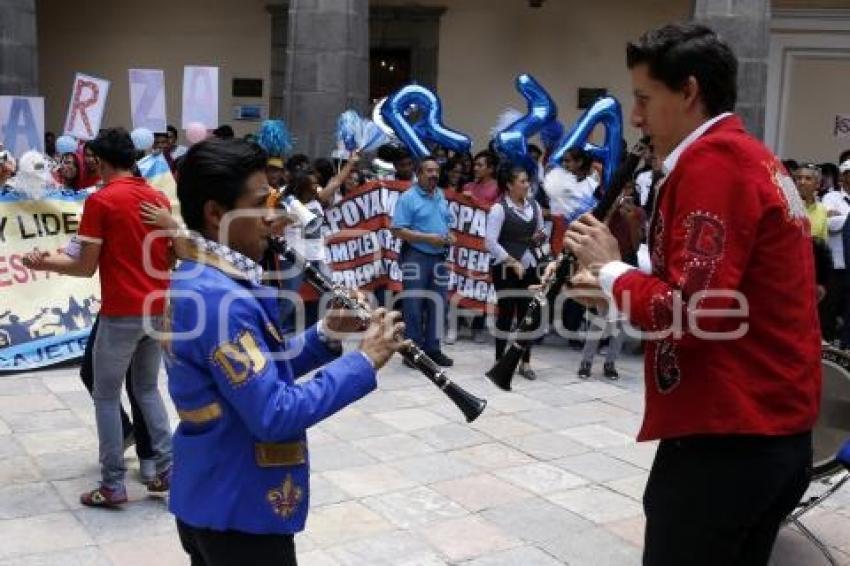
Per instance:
(347,126)
(66,144)
(142,139)
(551,134)
(370,136)
(274,137)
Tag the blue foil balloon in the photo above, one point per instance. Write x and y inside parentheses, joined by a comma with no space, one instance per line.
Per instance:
(428,128)
(513,141)
(605,111)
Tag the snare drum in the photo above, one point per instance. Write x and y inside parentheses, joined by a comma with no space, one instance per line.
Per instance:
(833,426)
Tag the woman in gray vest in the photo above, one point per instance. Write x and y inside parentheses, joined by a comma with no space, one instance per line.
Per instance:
(514,233)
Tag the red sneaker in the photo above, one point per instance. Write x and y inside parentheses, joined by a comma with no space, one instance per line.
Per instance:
(161,482)
(104,497)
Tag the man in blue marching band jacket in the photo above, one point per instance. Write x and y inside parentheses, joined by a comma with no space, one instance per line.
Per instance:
(240,485)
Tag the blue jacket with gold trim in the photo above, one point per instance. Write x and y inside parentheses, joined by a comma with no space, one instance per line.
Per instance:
(240,450)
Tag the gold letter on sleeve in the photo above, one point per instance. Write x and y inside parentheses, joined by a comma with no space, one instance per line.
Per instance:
(240,360)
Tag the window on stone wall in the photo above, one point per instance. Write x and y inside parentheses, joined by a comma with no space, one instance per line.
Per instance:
(389,70)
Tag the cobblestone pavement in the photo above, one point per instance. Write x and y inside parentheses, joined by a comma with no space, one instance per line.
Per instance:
(550,474)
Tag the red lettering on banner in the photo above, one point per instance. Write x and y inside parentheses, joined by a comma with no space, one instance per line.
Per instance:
(79,106)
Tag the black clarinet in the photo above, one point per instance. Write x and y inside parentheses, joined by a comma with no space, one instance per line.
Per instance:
(470,405)
(502,373)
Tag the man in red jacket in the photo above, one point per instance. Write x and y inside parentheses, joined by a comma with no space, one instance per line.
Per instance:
(733,358)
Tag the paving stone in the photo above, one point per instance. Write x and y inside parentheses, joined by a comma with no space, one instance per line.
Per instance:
(632,486)
(631,529)
(407,420)
(434,467)
(68,465)
(42,534)
(364,481)
(324,492)
(414,507)
(641,454)
(493,456)
(50,441)
(546,445)
(85,556)
(540,478)
(476,493)
(596,389)
(18,469)
(597,504)
(393,447)
(10,447)
(467,537)
(166,548)
(559,418)
(597,546)
(597,467)
(39,421)
(450,436)
(4,428)
(597,436)
(536,520)
(19,386)
(556,396)
(522,556)
(316,558)
(340,522)
(513,402)
(504,426)
(336,456)
(29,499)
(45,401)
(352,426)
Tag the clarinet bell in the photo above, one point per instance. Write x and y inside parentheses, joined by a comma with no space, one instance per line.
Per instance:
(502,373)
(470,405)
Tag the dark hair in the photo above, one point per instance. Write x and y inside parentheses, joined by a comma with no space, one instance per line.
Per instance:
(844,156)
(324,170)
(115,147)
(533,147)
(447,167)
(675,52)
(829,170)
(507,174)
(171,129)
(580,155)
(224,132)
(216,170)
(422,161)
(490,157)
(403,153)
(301,183)
(791,165)
(296,163)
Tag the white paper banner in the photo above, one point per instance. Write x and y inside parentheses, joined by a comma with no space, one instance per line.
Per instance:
(842,126)
(200,96)
(22,123)
(85,111)
(147,99)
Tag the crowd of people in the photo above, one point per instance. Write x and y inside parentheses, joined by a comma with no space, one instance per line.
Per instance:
(237,465)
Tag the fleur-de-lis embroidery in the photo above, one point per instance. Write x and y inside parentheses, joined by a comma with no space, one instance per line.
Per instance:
(285,500)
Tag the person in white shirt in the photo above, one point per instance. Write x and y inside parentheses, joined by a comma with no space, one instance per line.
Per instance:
(571,187)
(837,204)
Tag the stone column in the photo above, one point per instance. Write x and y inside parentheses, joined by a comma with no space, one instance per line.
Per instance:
(745,25)
(18,48)
(327,69)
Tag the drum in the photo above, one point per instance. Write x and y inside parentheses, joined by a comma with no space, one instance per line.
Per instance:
(833,426)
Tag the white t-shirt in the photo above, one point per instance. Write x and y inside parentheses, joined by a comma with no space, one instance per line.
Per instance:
(311,245)
(569,197)
(837,201)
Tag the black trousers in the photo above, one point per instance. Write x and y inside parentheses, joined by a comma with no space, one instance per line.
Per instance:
(716,500)
(511,307)
(836,304)
(232,548)
(137,426)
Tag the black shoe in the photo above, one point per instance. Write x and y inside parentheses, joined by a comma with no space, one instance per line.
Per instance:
(526,371)
(441,359)
(610,371)
(575,344)
(584,370)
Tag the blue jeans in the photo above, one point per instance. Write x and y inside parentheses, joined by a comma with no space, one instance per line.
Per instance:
(424,315)
(121,341)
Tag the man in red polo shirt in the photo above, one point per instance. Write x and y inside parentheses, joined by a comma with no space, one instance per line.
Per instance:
(133,281)
(734,396)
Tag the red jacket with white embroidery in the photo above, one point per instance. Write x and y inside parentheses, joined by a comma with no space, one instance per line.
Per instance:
(730,232)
